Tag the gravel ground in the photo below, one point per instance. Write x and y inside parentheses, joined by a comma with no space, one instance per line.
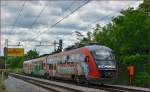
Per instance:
(16,85)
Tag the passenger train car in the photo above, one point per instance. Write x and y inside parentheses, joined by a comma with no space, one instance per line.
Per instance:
(87,63)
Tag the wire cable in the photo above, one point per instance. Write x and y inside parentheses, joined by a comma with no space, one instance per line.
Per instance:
(42,10)
(109,15)
(18,16)
(61,20)
(65,10)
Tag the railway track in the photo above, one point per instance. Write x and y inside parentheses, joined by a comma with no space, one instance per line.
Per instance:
(60,86)
(55,86)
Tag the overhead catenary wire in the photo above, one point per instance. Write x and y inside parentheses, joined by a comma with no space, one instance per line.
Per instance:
(37,17)
(60,20)
(87,1)
(109,15)
(66,9)
(18,16)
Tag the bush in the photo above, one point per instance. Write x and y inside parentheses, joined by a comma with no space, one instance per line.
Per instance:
(142,79)
(140,62)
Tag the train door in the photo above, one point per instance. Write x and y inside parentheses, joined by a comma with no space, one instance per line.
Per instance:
(56,59)
(93,71)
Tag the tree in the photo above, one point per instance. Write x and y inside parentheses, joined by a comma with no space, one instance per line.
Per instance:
(15,62)
(31,54)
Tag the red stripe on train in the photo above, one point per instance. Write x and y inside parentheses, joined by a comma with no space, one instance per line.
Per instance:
(93,70)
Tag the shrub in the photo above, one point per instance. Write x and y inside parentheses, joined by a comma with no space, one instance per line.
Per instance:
(140,62)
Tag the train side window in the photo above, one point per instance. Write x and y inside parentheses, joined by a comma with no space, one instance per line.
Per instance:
(63,59)
(81,57)
(50,66)
(54,66)
(71,60)
(53,60)
(42,65)
(58,60)
(68,58)
(73,57)
(39,66)
(77,57)
(87,59)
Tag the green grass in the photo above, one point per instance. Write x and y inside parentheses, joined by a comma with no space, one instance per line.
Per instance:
(2,86)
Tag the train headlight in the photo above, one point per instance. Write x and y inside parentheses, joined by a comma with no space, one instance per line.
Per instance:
(113,66)
(106,66)
(100,66)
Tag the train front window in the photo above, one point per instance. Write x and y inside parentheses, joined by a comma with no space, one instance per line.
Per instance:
(104,58)
(103,54)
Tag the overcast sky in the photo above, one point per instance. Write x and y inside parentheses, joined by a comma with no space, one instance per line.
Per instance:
(26,29)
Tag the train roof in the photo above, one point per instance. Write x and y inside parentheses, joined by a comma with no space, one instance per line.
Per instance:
(93,47)
(89,47)
(80,45)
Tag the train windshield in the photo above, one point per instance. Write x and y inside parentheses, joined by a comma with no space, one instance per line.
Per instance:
(102,54)
(104,58)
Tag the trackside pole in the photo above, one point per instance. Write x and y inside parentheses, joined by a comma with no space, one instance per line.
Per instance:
(5,53)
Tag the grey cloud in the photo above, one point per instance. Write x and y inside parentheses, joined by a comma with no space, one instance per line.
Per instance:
(16,33)
(60,32)
(92,17)
(94,11)
(71,26)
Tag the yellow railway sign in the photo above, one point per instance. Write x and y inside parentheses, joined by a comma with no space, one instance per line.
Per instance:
(15,52)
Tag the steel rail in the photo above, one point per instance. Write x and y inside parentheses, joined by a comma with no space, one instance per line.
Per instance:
(105,87)
(45,85)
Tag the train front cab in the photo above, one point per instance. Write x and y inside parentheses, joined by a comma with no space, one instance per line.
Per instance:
(102,64)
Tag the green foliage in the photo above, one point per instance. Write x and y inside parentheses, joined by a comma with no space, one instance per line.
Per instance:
(15,62)
(127,35)
(31,54)
(140,63)
(142,79)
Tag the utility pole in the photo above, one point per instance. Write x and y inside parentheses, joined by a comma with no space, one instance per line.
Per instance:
(60,44)
(5,52)
(0,41)
(53,44)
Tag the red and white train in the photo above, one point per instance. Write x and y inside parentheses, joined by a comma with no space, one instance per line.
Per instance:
(87,63)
